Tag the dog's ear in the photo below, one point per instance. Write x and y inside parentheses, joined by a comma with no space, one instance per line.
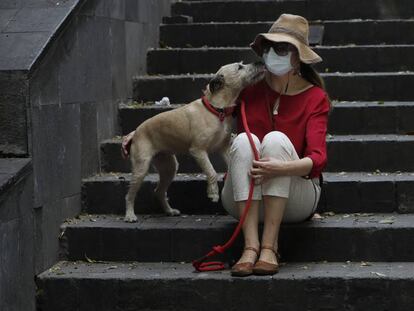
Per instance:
(216,83)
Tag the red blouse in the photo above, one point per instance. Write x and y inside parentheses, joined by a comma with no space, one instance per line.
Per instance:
(302,117)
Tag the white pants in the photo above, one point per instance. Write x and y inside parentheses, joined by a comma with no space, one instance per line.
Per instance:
(302,194)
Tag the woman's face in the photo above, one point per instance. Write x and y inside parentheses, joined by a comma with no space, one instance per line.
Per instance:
(282,49)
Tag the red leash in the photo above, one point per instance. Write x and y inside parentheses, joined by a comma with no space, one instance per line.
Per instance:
(200,264)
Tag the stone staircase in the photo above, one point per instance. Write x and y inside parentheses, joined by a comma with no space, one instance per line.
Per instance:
(359,256)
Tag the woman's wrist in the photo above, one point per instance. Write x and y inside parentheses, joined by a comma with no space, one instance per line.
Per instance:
(301,167)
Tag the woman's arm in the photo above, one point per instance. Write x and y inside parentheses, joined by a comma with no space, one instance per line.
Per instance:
(270,167)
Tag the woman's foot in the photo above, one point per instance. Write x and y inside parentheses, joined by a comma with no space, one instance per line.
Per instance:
(244,265)
(267,263)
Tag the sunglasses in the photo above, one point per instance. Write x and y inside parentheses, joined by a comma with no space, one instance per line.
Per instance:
(280,48)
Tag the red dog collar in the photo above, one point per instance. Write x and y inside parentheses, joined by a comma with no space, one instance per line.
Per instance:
(221,113)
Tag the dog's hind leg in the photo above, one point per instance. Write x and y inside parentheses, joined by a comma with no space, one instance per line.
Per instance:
(140,162)
(167,166)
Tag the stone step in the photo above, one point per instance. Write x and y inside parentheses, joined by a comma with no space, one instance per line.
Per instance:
(344,32)
(366,86)
(338,286)
(386,152)
(341,193)
(365,58)
(233,11)
(367,117)
(154,238)
(222,34)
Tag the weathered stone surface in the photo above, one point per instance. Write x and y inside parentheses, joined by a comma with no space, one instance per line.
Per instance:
(5,16)
(13,119)
(64,99)
(341,237)
(206,11)
(393,86)
(178,19)
(343,192)
(337,58)
(315,286)
(358,153)
(17,288)
(89,139)
(367,117)
(37,20)
(221,34)
(359,32)
(387,152)
(12,170)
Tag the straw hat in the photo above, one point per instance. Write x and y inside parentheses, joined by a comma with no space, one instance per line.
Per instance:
(293,29)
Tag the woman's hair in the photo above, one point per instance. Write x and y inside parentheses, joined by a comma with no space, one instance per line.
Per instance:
(311,75)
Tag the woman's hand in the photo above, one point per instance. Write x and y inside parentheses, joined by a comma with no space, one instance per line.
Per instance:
(267,168)
(126,145)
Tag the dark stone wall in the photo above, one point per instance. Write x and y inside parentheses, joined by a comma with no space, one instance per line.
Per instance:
(17,286)
(74,95)
(63,71)
(13,104)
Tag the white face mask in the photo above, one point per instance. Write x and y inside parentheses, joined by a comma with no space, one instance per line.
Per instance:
(278,65)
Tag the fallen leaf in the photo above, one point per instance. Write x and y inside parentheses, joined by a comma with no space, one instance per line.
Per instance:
(317,216)
(387,221)
(89,260)
(378,274)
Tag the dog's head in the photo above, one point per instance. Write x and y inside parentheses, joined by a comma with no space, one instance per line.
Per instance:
(230,80)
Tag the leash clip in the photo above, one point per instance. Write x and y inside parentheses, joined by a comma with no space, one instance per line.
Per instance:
(222,116)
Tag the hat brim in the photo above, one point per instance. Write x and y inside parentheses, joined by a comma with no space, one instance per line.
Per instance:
(306,54)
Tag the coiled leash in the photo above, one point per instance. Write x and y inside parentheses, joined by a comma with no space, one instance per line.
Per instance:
(199,264)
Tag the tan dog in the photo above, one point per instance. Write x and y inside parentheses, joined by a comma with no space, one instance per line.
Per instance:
(189,129)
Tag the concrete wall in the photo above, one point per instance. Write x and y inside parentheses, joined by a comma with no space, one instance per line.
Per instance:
(17,286)
(74,96)
(58,100)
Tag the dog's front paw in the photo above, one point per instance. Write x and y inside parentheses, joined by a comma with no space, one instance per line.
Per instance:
(214,197)
(173,212)
(130,218)
(213,192)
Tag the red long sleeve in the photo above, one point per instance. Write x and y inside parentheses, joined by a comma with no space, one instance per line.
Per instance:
(316,128)
(302,117)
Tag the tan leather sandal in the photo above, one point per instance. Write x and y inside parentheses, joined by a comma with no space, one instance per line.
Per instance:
(244,268)
(266,268)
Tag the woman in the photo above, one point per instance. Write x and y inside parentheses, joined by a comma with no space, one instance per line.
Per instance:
(287,113)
